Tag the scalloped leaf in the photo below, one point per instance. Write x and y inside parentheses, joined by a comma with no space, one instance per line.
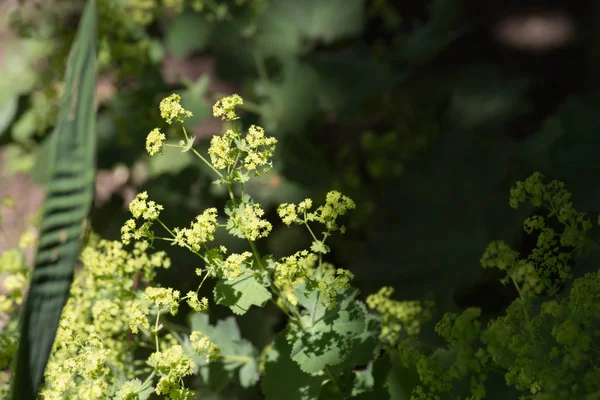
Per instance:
(242,293)
(329,336)
(226,335)
(283,379)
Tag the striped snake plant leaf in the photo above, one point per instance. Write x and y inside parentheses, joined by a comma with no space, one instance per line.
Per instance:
(69,196)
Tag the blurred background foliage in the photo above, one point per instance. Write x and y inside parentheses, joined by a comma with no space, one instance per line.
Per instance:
(424,112)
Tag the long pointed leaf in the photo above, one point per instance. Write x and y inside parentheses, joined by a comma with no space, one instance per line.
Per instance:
(68,199)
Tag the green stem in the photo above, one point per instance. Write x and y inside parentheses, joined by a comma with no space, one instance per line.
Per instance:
(290,307)
(149,379)
(185,245)
(200,155)
(156,330)
(525,310)
(332,375)
(230,191)
(207,163)
(308,227)
(260,66)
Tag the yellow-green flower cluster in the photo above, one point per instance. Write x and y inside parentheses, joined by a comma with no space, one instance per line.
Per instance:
(235,265)
(138,317)
(221,151)
(332,283)
(172,365)
(129,231)
(141,11)
(295,267)
(82,371)
(551,264)
(289,212)
(521,273)
(170,109)
(14,276)
(130,390)
(201,230)
(155,142)
(27,240)
(336,204)
(225,108)
(255,150)
(203,346)
(290,271)
(554,197)
(163,298)
(198,305)
(251,224)
(141,207)
(12,261)
(176,6)
(95,324)
(259,150)
(398,315)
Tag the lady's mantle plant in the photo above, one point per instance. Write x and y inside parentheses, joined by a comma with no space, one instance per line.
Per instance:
(116,341)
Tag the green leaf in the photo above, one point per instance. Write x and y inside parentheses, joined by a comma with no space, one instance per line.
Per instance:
(367,347)
(146,393)
(194,100)
(565,148)
(445,26)
(249,374)
(8,110)
(24,128)
(290,27)
(187,33)
(242,293)
(17,159)
(390,380)
(319,247)
(328,336)
(341,84)
(397,379)
(289,105)
(18,70)
(363,381)
(283,379)
(226,335)
(69,196)
(172,161)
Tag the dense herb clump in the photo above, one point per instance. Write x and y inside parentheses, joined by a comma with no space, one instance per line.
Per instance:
(116,338)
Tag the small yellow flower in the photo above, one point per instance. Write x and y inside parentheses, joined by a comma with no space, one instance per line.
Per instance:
(170,109)
(155,142)
(287,213)
(260,149)
(233,266)
(221,151)
(163,298)
(204,346)
(225,108)
(196,304)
